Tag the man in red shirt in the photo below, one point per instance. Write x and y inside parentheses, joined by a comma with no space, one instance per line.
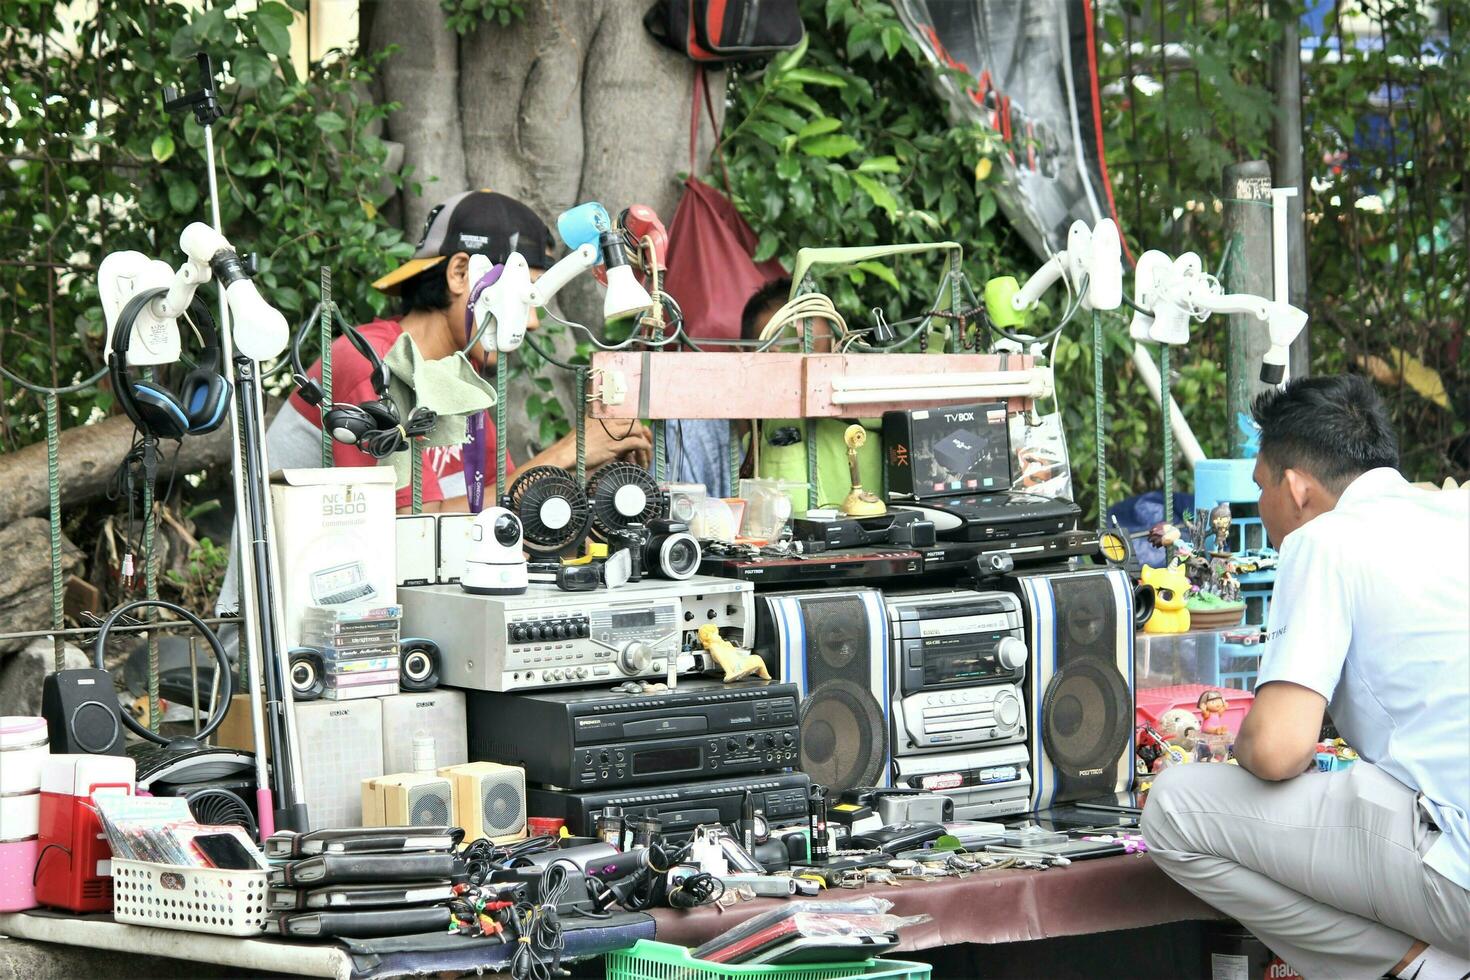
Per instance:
(433,290)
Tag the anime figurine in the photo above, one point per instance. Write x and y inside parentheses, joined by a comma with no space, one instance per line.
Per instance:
(1165,536)
(1180,726)
(737,664)
(1212,706)
(1220,526)
(1171,589)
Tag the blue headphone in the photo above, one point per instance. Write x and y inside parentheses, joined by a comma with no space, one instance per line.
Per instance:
(204,396)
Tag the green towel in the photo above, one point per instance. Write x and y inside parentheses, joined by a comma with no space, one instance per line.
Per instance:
(450,387)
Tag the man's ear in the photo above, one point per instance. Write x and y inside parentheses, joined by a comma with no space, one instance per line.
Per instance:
(457,274)
(1302,488)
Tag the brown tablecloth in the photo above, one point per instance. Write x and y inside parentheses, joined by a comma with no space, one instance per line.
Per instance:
(1101,895)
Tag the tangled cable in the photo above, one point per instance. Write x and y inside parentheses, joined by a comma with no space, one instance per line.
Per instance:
(807,305)
(700,888)
(539,937)
(380,443)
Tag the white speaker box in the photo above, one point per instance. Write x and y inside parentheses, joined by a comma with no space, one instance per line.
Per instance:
(440,713)
(418,549)
(454,545)
(490,800)
(338,740)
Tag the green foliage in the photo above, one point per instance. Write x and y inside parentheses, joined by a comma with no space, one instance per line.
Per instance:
(466,15)
(843,141)
(99,166)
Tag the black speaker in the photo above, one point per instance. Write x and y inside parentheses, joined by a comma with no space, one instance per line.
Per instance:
(834,646)
(81,712)
(418,664)
(1080,630)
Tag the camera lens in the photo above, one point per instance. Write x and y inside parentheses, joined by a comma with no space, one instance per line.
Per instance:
(677,555)
(507,530)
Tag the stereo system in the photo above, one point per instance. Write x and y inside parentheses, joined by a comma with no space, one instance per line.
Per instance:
(958,660)
(549,638)
(585,739)
(784,798)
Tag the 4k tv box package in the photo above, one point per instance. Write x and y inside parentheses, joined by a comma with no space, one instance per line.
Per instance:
(939,452)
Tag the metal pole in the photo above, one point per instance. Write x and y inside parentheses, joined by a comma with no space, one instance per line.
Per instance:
(1286,140)
(1247,200)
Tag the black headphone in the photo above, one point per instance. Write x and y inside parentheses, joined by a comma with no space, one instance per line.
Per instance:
(374,426)
(204,396)
(224,671)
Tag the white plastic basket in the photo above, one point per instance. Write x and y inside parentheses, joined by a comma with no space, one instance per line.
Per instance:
(228,903)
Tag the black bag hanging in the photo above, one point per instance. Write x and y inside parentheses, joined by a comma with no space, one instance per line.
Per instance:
(712,31)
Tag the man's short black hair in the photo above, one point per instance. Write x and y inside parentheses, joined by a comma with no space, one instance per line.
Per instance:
(426,292)
(1331,427)
(774,292)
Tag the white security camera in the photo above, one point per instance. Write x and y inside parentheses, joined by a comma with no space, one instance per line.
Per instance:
(495,564)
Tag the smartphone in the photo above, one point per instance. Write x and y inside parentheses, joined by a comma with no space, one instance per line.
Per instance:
(224,851)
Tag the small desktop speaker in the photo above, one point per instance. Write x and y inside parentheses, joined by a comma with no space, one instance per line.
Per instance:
(408,799)
(1080,630)
(454,545)
(440,713)
(833,645)
(490,800)
(340,743)
(82,714)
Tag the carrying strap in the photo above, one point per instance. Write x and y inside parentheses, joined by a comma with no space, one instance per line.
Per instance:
(702,93)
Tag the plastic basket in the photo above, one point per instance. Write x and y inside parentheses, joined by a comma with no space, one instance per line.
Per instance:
(648,960)
(227,903)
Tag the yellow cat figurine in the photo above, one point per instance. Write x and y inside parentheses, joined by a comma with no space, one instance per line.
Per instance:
(1171,588)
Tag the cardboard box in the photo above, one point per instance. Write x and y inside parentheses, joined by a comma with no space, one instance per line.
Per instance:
(335,537)
(938,452)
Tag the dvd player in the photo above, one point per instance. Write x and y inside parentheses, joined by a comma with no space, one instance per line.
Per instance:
(682,806)
(1001,516)
(1025,552)
(598,738)
(827,567)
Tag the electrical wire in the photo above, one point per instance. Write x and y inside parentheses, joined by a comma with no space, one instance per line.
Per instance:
(540,940)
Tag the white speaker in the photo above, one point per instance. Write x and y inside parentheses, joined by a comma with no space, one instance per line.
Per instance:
(490,800)
(418,549)
(408,799)
(833,645)
(440,713)
(454,545)
(1080,631)
(339,742)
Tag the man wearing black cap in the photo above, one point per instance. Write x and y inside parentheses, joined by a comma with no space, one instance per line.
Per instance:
(433,289)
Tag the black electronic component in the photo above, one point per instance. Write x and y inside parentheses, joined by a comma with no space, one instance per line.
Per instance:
(902,837)
(553,509)
(308,675)
(418,664)
(579,739)
(81,712)
(999,517)
(623,495)
(681,807)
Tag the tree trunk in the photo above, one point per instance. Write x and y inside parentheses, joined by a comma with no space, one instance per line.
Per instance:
(25,588)
(88,457)
(573,103)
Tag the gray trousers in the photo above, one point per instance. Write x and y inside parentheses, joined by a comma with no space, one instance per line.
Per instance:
(1326,869)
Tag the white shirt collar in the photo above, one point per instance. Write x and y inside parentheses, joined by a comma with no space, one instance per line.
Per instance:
(1372,483)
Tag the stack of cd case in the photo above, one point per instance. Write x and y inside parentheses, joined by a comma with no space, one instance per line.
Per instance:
(358,646)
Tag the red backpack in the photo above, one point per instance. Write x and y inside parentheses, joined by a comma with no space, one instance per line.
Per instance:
(710,270)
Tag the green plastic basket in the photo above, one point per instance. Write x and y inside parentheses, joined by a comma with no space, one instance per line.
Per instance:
(649,960)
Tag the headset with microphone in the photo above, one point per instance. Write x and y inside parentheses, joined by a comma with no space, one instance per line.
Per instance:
(372,426)
(202,399)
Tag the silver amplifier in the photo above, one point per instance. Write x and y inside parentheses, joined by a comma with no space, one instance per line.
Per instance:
(983,783)
(958,660)
(551,638)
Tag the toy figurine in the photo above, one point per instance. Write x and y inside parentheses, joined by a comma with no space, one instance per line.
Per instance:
(860,502)
(1180,726)
(1211,706)
(1165,536)
(1220,525)
(737,664)
(1171,589)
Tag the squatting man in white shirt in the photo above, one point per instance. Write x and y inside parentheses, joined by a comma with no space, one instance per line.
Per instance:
(1363,872)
